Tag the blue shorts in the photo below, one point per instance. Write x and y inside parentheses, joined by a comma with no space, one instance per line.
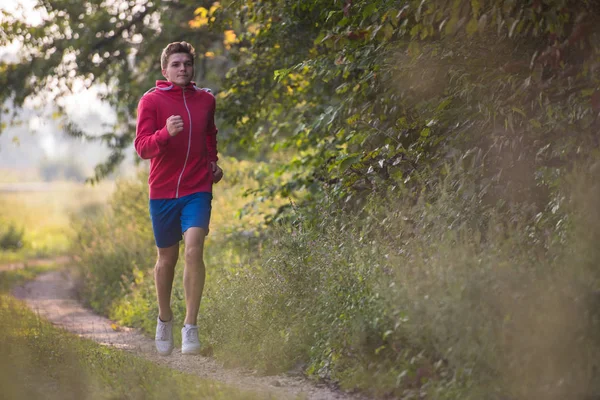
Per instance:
(172,217)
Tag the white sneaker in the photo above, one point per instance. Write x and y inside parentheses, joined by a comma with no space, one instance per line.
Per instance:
(190,344)
(164,337)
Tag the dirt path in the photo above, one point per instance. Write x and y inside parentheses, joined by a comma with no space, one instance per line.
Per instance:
(53,295)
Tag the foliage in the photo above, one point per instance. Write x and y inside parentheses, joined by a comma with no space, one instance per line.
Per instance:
(114,244)
(115,46)
(434,246)
(394,303)
(11,236)
(374,94)
(363,95)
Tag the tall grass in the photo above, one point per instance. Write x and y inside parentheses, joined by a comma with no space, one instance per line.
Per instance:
(40,361)
(432,295)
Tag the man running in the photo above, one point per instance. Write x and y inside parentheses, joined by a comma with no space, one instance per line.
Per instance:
(176,131)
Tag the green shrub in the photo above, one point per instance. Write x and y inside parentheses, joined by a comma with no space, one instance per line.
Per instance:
(11,236)
(113,243)
(433,296)
(430,295)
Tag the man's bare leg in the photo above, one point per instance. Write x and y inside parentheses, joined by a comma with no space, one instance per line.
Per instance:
(164,272)
(194,273)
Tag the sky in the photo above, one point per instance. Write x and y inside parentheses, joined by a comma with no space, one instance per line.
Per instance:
(40,136)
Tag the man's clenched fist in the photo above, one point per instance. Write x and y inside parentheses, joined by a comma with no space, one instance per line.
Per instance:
(174,125)
(217,172)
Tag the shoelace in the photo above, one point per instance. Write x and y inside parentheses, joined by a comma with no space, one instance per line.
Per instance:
(191,334)
(163,332)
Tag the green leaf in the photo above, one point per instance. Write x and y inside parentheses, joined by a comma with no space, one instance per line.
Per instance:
(281,74)
(320,38)
(442,106)
(450,27)
(348,162)
(369,10)
(414,49)
(535,123)
(588,92)
(343,22)
(519,111)
(415,30)
(472,27)
(331,14)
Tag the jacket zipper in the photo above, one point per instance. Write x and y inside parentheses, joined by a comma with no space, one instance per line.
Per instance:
(189,144)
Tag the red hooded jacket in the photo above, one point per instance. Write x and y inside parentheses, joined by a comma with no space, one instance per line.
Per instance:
(179,165)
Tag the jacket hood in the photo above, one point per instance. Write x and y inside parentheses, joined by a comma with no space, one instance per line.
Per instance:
(170,86)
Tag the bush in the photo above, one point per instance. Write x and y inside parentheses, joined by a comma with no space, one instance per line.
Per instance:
(437,297)
(432,295)
(114,243)
(11,236)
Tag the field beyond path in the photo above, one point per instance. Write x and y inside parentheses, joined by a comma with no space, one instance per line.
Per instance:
(11,266)
(53,296)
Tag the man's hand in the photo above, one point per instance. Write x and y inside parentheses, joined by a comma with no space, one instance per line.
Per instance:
(174,125)
(217,172)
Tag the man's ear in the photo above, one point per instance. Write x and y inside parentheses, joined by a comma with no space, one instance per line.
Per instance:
(163,73)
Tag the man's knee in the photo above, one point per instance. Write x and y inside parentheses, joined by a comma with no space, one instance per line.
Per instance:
(165,264)
(193,253)
(167,259)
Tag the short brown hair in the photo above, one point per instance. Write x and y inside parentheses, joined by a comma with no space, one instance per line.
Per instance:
(176,47)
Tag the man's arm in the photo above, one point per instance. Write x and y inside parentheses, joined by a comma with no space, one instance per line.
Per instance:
(211,134)
(150,141)
(211,145)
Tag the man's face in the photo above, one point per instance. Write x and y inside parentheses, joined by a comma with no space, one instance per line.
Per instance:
(180,69)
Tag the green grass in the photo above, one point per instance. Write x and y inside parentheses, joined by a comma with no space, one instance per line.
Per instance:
(44,217)
(10,279)
(40,361)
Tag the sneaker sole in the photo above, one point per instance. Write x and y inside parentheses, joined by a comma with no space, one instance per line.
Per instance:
(193,351)
(165,353)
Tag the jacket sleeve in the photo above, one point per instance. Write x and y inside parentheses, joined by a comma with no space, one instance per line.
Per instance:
(211,134)
(150,140)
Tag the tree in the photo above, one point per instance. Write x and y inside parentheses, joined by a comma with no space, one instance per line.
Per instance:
(114,45)
(370,94)
(361,96)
